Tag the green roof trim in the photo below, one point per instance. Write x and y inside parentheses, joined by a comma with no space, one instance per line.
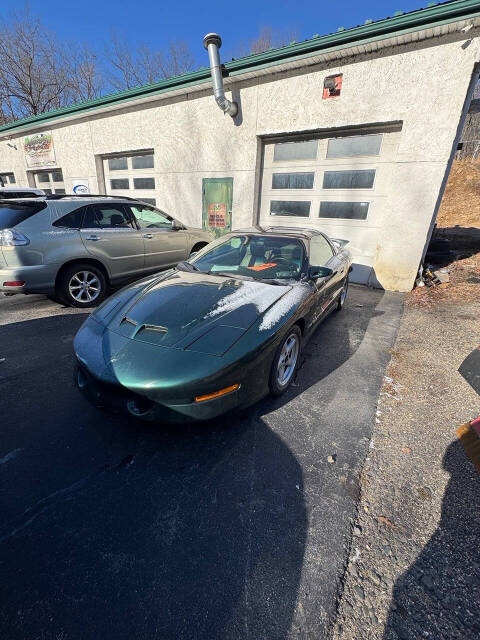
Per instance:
(430,16)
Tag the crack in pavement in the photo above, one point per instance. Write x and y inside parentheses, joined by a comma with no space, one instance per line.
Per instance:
(31,513)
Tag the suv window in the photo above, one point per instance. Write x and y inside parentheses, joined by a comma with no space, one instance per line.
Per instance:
(320,251)
(150,218)
(72,220)
(106,216)
(13,213)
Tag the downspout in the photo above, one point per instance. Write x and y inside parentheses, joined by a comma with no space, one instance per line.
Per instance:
(212,43)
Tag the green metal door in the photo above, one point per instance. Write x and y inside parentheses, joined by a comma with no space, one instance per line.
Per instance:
(217,205)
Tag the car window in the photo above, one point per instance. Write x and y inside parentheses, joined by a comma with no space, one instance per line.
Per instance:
(72,220)
(260,257)
(14,213)
(320,251)
(106,216)
(150,218)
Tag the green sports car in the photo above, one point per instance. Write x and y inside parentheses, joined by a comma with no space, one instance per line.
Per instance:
(219,331)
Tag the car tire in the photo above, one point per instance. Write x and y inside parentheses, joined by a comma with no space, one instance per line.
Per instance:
(343,295)
(82,285)
(281,374)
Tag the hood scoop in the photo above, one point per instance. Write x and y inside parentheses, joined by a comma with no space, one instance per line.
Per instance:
(144,330)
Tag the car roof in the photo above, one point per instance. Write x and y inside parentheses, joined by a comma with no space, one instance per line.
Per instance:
(29,189)
(68,199)
(296,232)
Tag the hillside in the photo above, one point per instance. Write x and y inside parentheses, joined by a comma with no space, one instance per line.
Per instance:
(461,201)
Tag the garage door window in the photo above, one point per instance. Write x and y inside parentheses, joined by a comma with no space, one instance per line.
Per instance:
(132,175)
(361,179)
(290,208)
(117,164)
(304,150)
(144,183)
(354,146)
(292,180)
(346,210)
(50,181)
(119,183)
(142,162)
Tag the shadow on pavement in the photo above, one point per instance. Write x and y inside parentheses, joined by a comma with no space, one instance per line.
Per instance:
(118,529)
(438,596)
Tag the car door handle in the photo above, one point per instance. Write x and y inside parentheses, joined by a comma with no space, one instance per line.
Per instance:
(148,235)
(94,238)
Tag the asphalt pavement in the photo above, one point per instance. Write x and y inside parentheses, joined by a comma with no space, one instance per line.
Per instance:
(235,528)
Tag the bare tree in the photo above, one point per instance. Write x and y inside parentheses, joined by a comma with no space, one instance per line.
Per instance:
(146,65)
(268,38)
(86,80)
(178,60)
(33,73)
(38,73)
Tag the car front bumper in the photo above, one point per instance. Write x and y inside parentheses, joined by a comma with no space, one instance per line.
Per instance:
(119,399)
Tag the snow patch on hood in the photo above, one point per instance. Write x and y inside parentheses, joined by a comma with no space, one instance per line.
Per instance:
(262,296)
(283,306)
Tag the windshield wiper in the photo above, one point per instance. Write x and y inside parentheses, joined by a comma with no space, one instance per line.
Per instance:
(230,274)
(279,281)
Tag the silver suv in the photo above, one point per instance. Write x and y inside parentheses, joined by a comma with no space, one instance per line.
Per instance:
(74,247)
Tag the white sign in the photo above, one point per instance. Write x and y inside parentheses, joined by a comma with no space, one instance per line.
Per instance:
(80,186)
(39,151)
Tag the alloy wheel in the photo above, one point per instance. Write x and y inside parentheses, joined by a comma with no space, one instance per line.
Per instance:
(343,295)
(84,286)
(288,360)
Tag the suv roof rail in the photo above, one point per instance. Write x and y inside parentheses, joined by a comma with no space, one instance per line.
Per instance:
(60,196)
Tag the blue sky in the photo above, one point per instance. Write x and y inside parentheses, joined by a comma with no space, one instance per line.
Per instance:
(157,22)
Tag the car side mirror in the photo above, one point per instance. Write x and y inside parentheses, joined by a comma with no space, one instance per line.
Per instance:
(176,226)
(319,272)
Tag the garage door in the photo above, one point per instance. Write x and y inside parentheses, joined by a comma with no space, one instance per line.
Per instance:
(131,175)
(338,184)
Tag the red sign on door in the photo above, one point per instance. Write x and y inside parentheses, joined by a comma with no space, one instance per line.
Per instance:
(217,215)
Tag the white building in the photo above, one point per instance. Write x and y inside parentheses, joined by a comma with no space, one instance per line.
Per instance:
(365,160)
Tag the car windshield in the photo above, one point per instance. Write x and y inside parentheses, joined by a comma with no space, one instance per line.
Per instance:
(255,256)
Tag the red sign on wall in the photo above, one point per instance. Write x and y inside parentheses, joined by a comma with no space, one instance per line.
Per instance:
(217,215)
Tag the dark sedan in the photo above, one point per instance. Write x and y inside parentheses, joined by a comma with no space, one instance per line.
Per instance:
(217,332)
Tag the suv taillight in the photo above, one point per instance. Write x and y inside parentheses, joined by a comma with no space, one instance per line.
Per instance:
(12,238)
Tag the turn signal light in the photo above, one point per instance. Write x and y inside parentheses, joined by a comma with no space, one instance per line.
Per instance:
(217,394)
(14,283)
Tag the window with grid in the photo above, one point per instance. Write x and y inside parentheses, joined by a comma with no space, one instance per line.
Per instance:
(50,180)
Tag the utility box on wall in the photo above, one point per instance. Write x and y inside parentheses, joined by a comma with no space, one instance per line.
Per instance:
(332,85)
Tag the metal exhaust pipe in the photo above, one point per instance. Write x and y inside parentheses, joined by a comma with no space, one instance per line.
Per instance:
(212,43)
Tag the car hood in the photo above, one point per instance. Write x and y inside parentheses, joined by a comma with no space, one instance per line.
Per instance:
(178,308)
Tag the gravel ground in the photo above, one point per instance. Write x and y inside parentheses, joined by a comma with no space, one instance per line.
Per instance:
(414,567)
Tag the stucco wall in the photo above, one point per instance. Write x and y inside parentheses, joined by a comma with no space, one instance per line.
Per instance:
(424,87)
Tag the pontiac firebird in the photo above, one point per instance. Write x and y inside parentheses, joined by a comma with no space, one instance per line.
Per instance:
(217,332)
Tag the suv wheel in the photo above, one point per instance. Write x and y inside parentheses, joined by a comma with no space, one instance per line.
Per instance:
(82,285)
